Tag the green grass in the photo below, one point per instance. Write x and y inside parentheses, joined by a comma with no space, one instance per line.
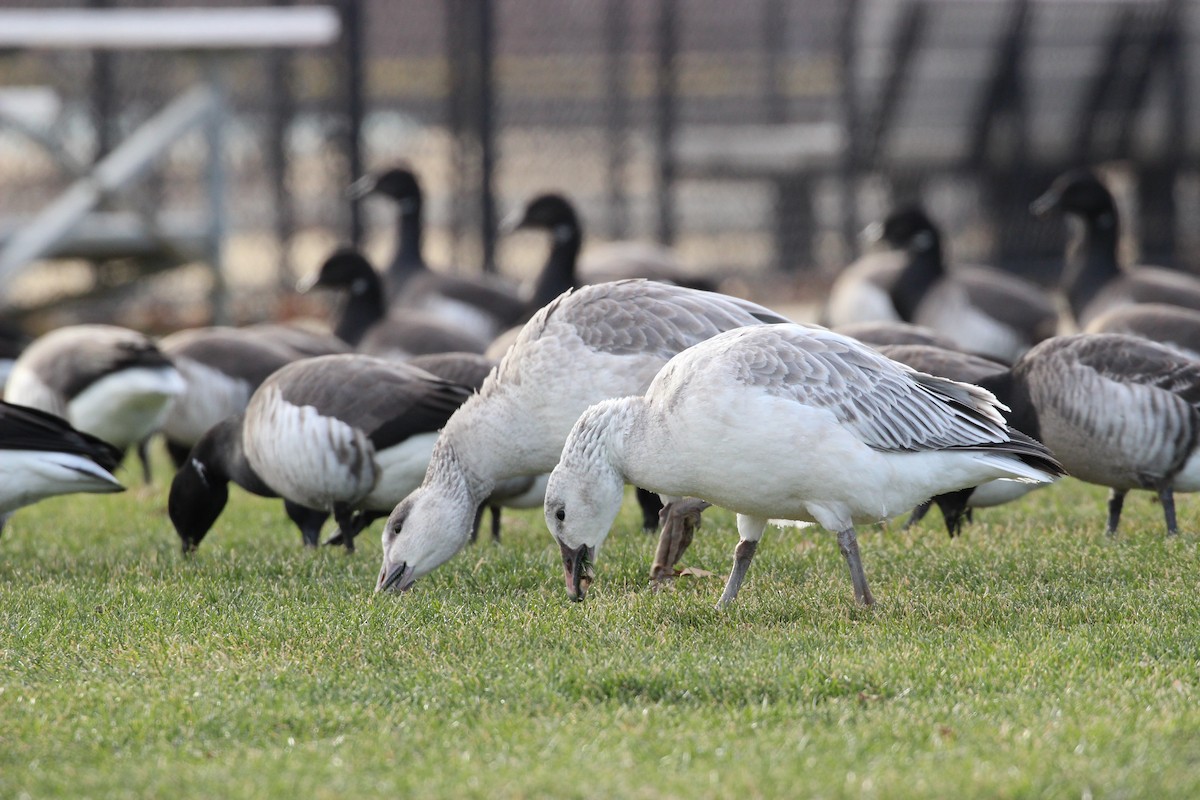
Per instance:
(1032,657)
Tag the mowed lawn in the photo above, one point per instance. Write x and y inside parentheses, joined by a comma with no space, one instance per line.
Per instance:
(1032,657)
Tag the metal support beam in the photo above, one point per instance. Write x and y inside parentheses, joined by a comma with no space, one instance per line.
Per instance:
(666,102)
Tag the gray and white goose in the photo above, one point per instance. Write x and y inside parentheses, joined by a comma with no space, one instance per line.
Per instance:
(41,456)
(782,422)
(108,381)
(1093,279)
(956,506)
(1174,326)
(1117,410)
(348,434)
(601,341)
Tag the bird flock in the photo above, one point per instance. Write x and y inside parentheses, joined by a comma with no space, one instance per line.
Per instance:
(433,397)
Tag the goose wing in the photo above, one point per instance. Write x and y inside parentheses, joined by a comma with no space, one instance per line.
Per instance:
(70,359)
(888,406)
(389,402)
(23,428)
(1128,360)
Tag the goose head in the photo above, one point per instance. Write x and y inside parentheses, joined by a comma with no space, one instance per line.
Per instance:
(551,212)
(583,496)
(1078,192)
(345,269)
(909,229)
(197,498)
(398,184)
(423,532)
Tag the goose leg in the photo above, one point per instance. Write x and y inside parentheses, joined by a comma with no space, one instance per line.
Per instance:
(751,530)
(681,520)
(475,524)
(495,523)
(143,454)
(308,520)
(1116,501)
(954,509)
(1167,497)
(652,506)
(848,544)
(350,525)
(918,514)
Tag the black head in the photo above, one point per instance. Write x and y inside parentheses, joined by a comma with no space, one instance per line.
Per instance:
(548,212)
(909,228)
(1077,192)
(398,183)
(197,498)
(345,269)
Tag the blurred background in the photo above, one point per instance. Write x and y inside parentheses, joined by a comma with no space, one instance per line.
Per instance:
(757,138)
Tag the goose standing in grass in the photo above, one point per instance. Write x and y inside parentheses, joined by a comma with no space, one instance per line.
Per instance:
(600,341)
(365,323)
(1174,326)
(782,422)
(481,306)
(41,456)
(110,382)
(956,506)
(348,434)
(1093,279)
(981,310)
(1118,411)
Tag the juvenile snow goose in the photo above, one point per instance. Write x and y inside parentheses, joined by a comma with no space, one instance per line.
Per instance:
(108,381)
(981,310)
(200,488)
(782,422)
(41,456)
(1117,410)
(965,368)
(481,306)
(365,323)
(1092,278)
(600,341)
(221,367)
(1174,326)
(348,434)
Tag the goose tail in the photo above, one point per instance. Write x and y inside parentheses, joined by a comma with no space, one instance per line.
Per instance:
(1025,458)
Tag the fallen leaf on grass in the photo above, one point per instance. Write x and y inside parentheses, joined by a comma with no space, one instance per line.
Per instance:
(694,572)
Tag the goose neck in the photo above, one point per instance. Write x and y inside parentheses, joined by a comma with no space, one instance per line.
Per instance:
(1091,260)
(364,308)
(558,273)
(923,270)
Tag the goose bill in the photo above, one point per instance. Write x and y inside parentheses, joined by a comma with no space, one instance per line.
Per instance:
(398,578)
(577,569)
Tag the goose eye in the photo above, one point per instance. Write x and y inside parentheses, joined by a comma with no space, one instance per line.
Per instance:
(560,515)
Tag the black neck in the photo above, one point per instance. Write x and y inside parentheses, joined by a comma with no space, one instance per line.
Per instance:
(923,270)
(558,273)
(408,258)
(364,307)
(1091,260)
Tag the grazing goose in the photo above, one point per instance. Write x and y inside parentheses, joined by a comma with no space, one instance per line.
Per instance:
(221,367)
(884,332)
(1174,326)
(483,307)
(200,488)
(600,341)
(1118,411)
(981,310)
(964,368)
(782,421)
(111,382)
(348,434)
(365,323)
(41,456)
(1093,279)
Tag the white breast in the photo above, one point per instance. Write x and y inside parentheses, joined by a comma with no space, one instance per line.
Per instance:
(127,406)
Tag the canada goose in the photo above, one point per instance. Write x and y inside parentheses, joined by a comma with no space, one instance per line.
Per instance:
(1117,410)
(1174,326)
(41,456)
(826,430)
(596,342)
(483,307)
(554,214)
(956,506)
(981,310)
(110,382)
(862,292)
(348,434)
(1092,278)
(200,488)
(365,323)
